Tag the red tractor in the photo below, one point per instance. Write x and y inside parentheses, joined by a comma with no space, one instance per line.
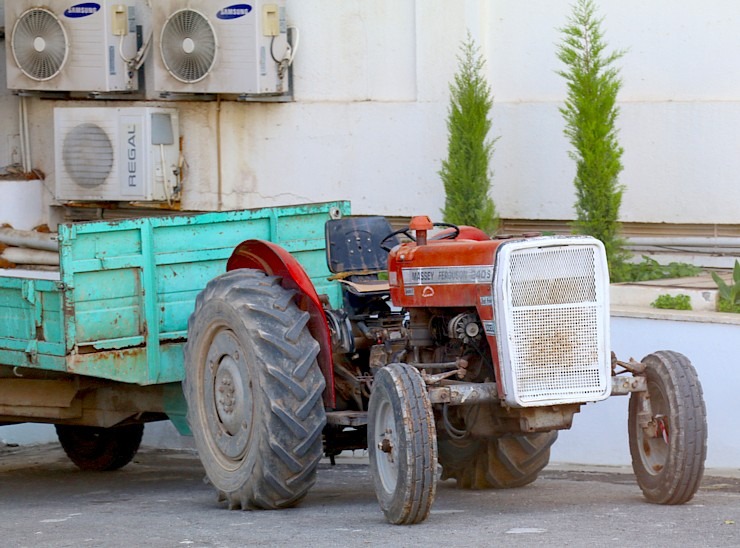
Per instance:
(450,349)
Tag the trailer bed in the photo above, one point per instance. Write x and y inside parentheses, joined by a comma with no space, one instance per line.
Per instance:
(118,307)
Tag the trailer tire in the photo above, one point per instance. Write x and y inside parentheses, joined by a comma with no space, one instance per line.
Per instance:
(96,449)
(669,465)
(401,438)
(495,463)
(254,391)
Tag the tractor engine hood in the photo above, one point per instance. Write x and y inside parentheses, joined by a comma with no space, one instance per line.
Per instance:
(442,272)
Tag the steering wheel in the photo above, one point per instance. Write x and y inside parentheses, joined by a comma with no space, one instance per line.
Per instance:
(407,232)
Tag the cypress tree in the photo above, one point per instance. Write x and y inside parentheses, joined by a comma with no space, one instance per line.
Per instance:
(466,173)
(590,114)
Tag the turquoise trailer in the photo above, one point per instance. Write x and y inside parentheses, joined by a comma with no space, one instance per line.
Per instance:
(99,343)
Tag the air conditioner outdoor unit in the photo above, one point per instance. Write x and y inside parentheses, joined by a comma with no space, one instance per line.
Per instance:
(122,154)
(56,45)
(206,46)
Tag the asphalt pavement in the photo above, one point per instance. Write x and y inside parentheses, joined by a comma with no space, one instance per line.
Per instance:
(161,499)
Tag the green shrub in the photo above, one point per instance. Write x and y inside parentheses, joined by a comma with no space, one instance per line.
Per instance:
(674,302)
(650,269)
(726,306)
(729,294)
(466,173)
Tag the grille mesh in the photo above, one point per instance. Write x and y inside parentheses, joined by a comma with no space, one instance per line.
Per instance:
(188,46)
(39,44)
(88,155)
(554,331)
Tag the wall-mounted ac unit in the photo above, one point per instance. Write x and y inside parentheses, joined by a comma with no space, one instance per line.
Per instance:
(56,45)
(122,154)
(207,46)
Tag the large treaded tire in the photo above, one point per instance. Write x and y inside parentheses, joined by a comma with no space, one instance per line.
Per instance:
(669,466)
(402,444)
(96,449)
(254,391)
(495,463)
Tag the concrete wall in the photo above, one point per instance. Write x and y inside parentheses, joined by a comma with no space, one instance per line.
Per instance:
(371,90)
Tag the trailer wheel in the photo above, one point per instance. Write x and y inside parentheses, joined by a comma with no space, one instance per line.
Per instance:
(495,463)
(96,449)
(668,456)
(402,444)
(254,391)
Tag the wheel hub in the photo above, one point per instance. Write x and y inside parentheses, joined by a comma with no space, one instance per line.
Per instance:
(387,462)
(386,447)
(655,437)
(228,394)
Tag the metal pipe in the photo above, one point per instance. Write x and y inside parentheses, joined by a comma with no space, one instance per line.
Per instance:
(461,394)
(19,255)
(219,167)
(29,238)
(24,138)
(685,241)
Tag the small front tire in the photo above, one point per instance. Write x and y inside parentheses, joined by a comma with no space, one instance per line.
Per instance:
(668,455)
(402,444)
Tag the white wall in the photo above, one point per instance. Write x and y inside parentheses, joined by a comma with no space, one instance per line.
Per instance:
(680,108)
(371,89)
(599,432)
(9,139)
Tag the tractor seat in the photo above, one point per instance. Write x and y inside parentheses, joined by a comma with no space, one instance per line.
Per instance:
(354,255)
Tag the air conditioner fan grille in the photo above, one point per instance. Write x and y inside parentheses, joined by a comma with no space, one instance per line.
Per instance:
(188,45)
(39,43)
(87,154)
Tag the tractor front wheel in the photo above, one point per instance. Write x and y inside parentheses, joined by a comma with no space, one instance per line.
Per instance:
(668,453)
(97,449)
(254,391)
(495,463)
(402,444)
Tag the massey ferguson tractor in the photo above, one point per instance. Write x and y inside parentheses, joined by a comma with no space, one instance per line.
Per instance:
(450,349)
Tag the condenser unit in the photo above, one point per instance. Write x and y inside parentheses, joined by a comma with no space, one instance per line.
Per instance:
(56,45)
(202,46)
(121,154)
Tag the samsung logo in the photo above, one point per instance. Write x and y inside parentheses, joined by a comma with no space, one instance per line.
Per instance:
(82,10)
(234,12)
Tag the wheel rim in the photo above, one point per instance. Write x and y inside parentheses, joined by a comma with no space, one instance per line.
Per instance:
(228,402)
(655,448)
(386,447)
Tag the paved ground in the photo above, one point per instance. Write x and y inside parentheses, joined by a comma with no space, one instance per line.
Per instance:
(161,500)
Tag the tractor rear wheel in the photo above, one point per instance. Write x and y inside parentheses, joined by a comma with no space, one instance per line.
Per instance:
(495,463)
(668,456)
(402,444)
(97,449)
(254,391)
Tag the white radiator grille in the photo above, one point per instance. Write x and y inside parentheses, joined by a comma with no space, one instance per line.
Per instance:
(552,315)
